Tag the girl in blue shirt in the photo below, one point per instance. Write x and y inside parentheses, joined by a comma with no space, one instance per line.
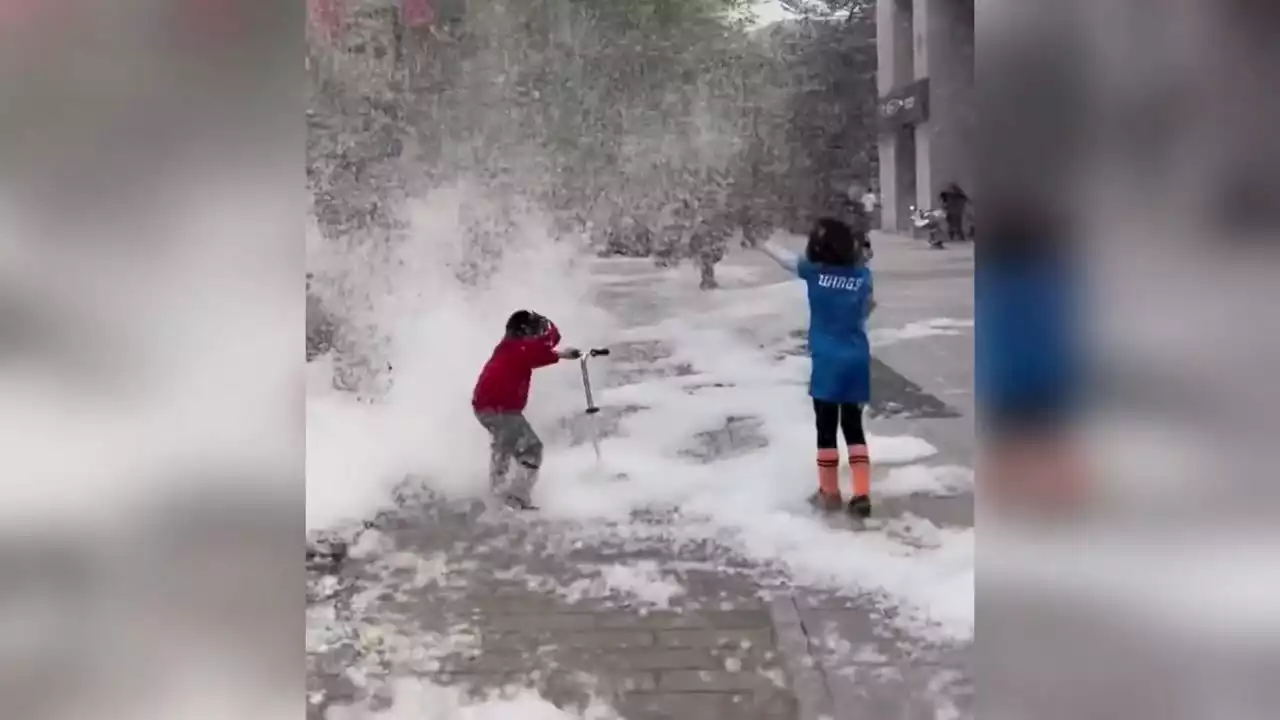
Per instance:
(840,300)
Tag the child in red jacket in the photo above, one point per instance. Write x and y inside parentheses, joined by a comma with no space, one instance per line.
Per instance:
(501,395)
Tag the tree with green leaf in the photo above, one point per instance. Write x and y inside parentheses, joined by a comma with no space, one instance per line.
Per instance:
(815,127)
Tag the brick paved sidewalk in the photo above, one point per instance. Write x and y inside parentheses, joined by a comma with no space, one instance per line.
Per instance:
(487,600)
(490,599)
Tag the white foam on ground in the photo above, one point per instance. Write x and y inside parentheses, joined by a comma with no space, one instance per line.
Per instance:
(921,329)
(753,499)
(421,700)
(641,582)
(938,481)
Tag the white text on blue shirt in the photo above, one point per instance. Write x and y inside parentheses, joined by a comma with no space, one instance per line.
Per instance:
(839,282)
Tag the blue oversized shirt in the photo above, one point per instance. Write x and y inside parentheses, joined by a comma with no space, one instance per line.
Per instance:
(838,344)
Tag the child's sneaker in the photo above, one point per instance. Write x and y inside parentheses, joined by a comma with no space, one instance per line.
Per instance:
(860,505)
(825,502)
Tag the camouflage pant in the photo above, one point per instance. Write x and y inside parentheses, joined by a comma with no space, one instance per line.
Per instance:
(512,439)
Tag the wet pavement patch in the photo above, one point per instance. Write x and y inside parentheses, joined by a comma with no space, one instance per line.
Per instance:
(634,362)
(695,388)
(893,395)
(639,351)
(738,436)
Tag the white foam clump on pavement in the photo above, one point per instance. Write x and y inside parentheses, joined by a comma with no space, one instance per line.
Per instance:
(351,454)
(421,700)
(936,481)
(917,330)
(641,581)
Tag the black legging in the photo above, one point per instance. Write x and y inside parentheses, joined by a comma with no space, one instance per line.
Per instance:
(831,417)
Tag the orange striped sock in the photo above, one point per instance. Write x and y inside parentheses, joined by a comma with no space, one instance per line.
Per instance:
(829,471)
(860,465)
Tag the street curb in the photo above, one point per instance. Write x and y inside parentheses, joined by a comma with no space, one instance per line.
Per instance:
(808,680)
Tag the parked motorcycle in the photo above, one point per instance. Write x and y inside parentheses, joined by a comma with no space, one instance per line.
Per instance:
(932,223)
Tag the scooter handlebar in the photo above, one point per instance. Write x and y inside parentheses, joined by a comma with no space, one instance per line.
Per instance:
(598,352)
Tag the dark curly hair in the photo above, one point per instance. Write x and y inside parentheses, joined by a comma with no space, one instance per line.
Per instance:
(833,242)
(525,324)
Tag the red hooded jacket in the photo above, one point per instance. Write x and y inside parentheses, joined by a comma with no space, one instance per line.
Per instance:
(503,386)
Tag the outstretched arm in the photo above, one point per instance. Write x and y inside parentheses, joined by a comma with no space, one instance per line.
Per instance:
(538,353)
(787,259)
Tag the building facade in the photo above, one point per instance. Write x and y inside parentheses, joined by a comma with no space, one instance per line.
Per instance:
(927,105)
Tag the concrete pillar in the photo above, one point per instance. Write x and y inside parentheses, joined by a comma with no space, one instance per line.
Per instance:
(943,40)
(925,47)
(896,63)
(895,60)
(886,44)
(889,215)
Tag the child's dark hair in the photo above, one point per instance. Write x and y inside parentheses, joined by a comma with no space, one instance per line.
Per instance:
(524,324)
(833,242)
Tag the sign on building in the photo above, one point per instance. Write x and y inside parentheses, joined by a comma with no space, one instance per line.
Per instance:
(906,106)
